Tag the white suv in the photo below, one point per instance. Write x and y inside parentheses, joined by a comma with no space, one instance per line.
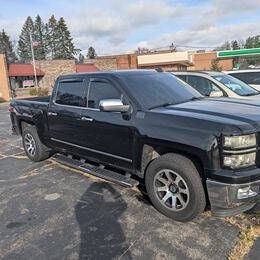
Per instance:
(218,84)
(250,77)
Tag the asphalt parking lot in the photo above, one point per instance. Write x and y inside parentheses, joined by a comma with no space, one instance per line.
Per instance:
(48,211)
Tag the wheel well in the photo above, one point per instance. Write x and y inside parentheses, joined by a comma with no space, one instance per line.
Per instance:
(23,124)
(152,152)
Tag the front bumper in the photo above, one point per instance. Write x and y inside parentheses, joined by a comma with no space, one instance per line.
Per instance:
(224,198)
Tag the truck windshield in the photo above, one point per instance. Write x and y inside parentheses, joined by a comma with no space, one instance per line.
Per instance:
(236,85)
(159,88)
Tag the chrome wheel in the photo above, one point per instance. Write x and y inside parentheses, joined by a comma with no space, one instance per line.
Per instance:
(171,190)
(30,145)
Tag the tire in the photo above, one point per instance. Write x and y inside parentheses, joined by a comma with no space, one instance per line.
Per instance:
(33,147)
(175,188)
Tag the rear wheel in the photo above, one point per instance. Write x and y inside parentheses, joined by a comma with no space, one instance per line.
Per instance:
(175,187)
(33,147)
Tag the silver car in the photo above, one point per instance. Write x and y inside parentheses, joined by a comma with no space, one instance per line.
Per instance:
(250,77)
(218,84)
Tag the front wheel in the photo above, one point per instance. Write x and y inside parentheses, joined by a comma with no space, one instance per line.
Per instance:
(175,188)
(33,147)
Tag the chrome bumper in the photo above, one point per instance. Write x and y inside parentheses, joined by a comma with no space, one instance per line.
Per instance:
(224,197)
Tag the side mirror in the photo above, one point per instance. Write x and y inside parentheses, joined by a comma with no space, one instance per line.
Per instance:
(113,105)
(216,93)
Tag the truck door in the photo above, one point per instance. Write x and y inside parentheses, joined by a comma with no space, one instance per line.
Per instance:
(65,109)
(107,135)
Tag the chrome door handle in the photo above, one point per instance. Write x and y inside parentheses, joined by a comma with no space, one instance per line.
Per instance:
(52,114)
(87,119)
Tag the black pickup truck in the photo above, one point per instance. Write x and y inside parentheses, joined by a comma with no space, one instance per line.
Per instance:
(148,126)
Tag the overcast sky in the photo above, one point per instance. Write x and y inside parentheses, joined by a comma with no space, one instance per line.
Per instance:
(113,26)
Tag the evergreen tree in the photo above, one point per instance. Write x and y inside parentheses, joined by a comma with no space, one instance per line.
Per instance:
(24,43)
(66,48)
(215,65)
(52,37)
(6,47)
(234,45)
(91,53)
(40,51)
(249,43)
(81,59)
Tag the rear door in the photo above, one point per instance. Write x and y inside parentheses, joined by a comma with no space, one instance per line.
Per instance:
(202,85)
(65,110)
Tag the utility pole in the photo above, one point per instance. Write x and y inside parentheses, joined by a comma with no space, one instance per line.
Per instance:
(34,68)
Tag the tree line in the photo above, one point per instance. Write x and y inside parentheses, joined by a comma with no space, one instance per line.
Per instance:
(51,40)
(249,43)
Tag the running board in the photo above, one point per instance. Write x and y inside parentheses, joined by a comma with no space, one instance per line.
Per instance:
(96,171)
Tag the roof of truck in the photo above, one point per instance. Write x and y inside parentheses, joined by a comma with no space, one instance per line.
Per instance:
(110,72)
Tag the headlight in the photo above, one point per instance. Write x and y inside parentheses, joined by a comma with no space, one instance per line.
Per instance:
(239,151)
(242,141)
(239,160)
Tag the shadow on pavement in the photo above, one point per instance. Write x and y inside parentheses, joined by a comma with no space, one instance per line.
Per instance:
(97,213)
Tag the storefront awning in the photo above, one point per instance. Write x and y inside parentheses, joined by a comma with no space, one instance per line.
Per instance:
(23,70)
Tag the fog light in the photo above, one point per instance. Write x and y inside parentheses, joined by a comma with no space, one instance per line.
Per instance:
(245,192)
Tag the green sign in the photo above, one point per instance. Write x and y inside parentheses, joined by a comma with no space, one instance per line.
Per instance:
(240,52)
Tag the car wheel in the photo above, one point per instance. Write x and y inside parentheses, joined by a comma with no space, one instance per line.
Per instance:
(175,188)
(33,147)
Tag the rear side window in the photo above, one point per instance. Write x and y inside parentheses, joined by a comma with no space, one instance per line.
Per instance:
(183,77)
(203,85)
(99,91)
(71,93)
(248,77)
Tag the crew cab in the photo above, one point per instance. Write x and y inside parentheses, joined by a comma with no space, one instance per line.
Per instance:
(145,126)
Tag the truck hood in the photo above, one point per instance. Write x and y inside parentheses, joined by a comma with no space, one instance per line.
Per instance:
(243,114)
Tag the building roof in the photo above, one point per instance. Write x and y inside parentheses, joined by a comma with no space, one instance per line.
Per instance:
(86,68)
(16,69)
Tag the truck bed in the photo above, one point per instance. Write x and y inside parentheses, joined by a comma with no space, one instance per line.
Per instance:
(28,109)
(35,99)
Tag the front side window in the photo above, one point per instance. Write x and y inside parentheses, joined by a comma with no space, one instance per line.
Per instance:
(236,85)
(248,77)
(71,93)
(203,85)
(100,90)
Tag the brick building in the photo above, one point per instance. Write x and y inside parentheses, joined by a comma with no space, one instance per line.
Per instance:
(202,61)
(115,62)
(167,60)
(21,76)
(5,93)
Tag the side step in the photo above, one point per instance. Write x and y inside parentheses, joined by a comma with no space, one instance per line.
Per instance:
(96,171)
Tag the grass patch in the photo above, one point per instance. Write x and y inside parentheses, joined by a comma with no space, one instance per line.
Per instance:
(249,230)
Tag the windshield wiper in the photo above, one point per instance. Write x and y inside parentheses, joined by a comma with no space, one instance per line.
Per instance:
(194,99)
(166,104)
(163,105)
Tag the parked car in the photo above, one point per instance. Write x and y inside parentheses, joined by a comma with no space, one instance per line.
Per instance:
(148,126)
(218,84)
(250,77)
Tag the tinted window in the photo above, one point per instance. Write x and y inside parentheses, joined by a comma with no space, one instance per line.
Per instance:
(236,85)
(71,93)
(183,77)
(203,85)
(101,90)
(248,77)
(155,89)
